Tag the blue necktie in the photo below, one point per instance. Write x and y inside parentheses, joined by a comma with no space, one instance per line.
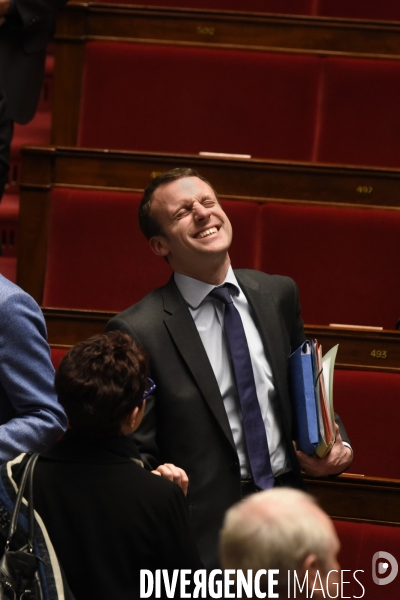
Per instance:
(253,424)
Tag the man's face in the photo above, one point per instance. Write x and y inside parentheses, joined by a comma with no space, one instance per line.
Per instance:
(197,232)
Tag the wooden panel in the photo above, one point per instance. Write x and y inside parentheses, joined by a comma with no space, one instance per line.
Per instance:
(378,351)
(67,326)
(69,60)
(32,241)
(202,27)
(255,178)
(252,180)
(355,498)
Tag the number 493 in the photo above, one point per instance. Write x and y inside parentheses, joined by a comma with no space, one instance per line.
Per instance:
(379,353)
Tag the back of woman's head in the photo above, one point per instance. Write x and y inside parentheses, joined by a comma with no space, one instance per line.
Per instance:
(100,381)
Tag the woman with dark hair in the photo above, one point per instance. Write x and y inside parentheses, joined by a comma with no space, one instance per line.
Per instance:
(106,515)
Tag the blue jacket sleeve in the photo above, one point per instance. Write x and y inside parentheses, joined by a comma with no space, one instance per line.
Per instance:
(31,418)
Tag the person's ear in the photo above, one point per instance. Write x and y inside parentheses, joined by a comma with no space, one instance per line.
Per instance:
(133,420)
(311,566)
(138,414)
(158,244)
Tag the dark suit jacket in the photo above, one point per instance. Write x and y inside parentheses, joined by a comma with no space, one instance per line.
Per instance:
(186,423)
(107,517)
(23,39)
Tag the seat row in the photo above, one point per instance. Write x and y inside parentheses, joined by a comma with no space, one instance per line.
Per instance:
(95,257)
(185,99)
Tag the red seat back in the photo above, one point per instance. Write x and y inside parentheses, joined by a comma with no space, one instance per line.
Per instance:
(189,100)
(97,256)
(360,9)
(98,259)
(359,543)
(368,402)
(360,118)
(343,259)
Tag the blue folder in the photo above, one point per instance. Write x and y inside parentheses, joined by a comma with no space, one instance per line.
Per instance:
(302,389)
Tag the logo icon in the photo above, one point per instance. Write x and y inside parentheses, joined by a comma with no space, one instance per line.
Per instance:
(383,567)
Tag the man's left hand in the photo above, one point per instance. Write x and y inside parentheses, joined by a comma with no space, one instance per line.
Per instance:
(337,461)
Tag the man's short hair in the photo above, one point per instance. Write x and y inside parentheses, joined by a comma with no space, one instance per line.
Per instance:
(148,224)
(100,381)
(275,529)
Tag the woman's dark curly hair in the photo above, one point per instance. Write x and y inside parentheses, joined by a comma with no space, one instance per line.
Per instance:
(100,381)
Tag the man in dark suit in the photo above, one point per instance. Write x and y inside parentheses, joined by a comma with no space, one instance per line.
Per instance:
(25,28)
(195,419)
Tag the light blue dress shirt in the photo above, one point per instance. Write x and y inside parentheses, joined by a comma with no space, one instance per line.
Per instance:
(209,320)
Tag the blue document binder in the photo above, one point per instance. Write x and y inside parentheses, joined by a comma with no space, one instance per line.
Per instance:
(302,389)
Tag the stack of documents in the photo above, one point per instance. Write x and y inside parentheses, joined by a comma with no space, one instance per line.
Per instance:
(311,383)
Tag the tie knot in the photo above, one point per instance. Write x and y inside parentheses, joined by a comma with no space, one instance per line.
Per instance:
(222,294)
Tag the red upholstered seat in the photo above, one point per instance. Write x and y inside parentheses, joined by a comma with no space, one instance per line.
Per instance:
(343,259)
(97,256)
(57,354)
(99,259)
(186,99)
(359,543)
(368,402)
(299,7)
(389,10)
(360,117)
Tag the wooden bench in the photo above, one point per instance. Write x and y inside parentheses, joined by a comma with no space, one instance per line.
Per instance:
(220,96)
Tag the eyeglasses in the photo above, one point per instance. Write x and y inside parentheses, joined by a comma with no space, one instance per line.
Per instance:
(151,386)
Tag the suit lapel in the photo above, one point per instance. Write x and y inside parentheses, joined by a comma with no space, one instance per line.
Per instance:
(182,329)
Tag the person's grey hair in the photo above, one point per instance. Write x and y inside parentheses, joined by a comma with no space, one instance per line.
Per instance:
(274,529)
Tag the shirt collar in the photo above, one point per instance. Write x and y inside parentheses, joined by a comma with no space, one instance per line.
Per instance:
(195,291)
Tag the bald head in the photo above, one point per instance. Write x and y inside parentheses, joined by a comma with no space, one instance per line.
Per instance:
(278,529)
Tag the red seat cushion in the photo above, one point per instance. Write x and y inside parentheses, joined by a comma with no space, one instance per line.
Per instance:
(97,257)
(360,118)
(186,99)
(343,259)
(368,402)
(359,543)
